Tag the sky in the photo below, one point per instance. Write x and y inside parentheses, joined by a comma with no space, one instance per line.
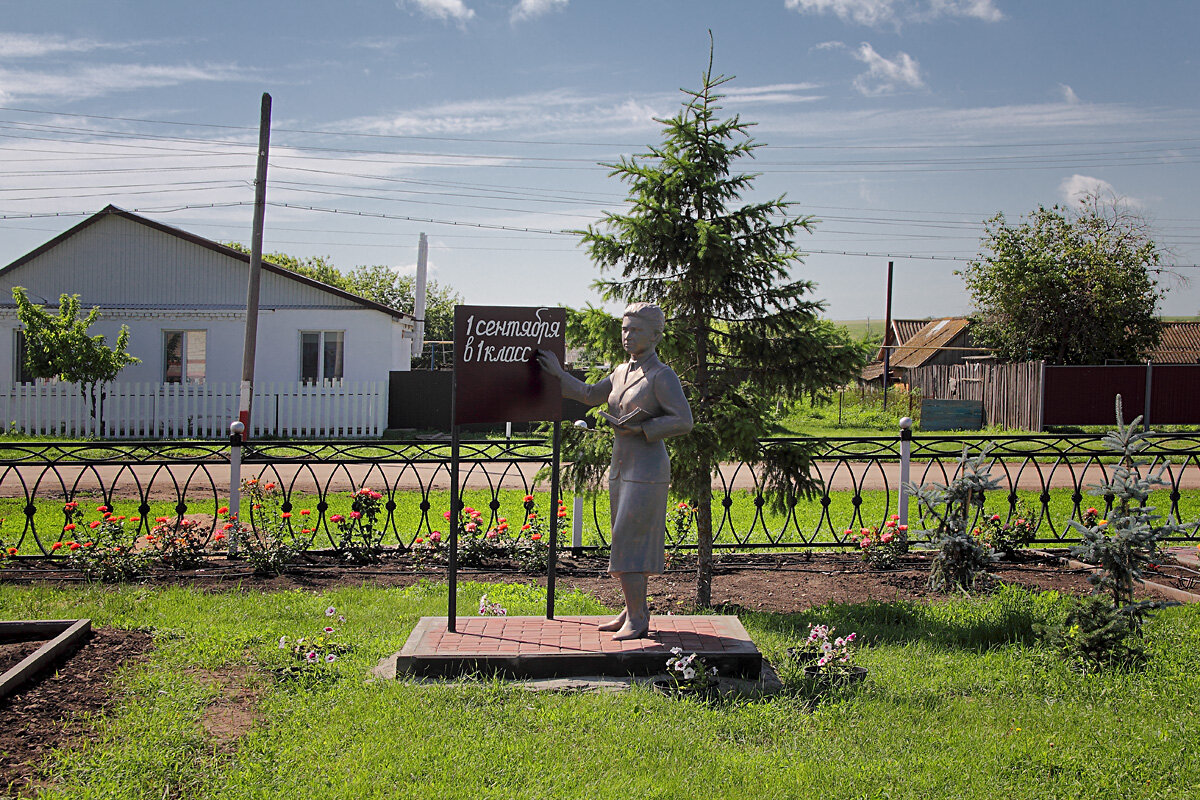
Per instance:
(898,125)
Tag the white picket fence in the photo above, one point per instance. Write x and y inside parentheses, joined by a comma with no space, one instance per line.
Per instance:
(337,409)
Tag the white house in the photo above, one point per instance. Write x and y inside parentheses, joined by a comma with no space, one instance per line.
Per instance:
(183,299)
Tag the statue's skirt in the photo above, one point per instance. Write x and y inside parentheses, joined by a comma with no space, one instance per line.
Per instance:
(639,525)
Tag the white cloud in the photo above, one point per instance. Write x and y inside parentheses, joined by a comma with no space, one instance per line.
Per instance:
(441,9)
(22,45)
(975,9)
(891,13)
(96,81)
(528,9)
(775,93)
(1068,94)
(1077,188)
(884,76)
(864,12)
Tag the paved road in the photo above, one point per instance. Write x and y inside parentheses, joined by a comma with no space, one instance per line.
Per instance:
(169,482)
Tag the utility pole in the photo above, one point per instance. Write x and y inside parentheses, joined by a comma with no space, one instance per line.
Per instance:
(260,205)
(887,336)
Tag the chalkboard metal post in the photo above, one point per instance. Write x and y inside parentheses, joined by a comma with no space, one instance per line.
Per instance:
(555,494)
(452,560)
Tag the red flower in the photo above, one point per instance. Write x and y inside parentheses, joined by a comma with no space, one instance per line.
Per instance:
(70,526)
(419,541)
(528,498)
(304,512)
(286,514)
(94,524)
(74,545)
(536,537)
(223,510)
(102,509)
(562,512)
(55,546)
(355,515)
(135,519)
(336,518)
(12,551)
(218,537)
(160,519)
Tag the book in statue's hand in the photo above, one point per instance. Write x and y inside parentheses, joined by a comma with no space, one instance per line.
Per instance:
(637,414)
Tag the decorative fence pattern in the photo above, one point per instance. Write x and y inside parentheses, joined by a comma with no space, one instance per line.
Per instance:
(1044,477)
(341,409)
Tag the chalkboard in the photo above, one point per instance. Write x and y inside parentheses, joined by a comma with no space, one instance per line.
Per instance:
(951,415)
(496,374)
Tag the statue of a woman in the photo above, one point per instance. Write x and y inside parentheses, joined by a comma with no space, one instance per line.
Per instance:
(646,405)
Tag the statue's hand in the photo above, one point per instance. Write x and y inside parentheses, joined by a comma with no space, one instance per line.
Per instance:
(629,429)
(548,361)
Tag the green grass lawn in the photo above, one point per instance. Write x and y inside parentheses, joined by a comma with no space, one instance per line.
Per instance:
(961,702)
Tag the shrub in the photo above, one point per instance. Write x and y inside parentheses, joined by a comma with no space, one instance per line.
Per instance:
(1095,634)
(882,549)
(360,534)
(101,549)
(960,556)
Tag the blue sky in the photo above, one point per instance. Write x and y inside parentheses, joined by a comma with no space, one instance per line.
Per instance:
(899,124)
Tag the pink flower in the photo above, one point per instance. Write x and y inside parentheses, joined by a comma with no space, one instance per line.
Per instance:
(337,518)
(436,536)
(490,535)
(472,527)
(865,543)
(885,537)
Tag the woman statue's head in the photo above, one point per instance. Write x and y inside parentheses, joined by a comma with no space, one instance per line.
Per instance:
(642,327)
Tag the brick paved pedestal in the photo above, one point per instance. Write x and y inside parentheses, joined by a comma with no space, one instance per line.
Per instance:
(536,647)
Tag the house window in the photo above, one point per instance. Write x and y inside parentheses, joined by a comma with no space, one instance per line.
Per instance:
(184,356)
(322,355)
(21,372)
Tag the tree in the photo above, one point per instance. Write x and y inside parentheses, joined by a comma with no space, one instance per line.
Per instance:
(1067,285)
(59,346)
(379,283)
(741,332)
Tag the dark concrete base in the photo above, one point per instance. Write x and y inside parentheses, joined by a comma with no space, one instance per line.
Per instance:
(535,647)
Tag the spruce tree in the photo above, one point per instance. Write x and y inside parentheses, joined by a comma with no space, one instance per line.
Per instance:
(742,333)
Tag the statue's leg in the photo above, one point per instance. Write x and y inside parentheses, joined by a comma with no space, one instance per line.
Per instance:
(615,623)
(637,611)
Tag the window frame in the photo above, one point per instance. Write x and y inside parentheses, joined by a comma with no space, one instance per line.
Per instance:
(322,342)
(183,356)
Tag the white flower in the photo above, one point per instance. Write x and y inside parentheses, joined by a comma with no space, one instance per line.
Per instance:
(330,658)
(311,655)
(689,673)
(283,643)
(677,651)
(329,612)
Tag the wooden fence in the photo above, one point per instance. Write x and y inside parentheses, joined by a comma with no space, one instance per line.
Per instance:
(339,409)
(1011,393)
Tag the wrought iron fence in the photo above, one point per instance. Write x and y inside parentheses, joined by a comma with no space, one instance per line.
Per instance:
(1045,478)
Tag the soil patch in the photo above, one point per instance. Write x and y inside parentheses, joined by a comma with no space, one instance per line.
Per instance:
(46,713)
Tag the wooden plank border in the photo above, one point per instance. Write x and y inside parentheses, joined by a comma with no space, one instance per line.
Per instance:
(68,636)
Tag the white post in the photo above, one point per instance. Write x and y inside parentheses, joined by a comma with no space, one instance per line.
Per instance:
(905,462)
(235,483)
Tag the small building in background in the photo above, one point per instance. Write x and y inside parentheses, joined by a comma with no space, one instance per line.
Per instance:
(937,341)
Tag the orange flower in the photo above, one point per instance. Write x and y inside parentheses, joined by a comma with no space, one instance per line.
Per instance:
(286,514)
(304,512)
(55,546)
(70,526)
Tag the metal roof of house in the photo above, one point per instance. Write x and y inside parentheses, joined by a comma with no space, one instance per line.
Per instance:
(268,266)
(1180,344)
(922,346)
